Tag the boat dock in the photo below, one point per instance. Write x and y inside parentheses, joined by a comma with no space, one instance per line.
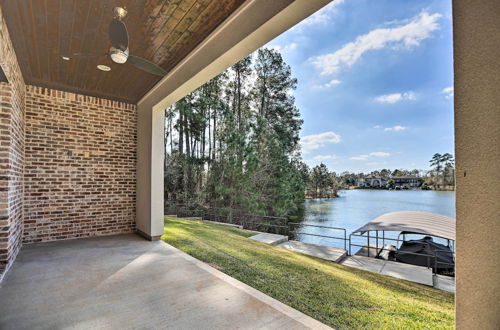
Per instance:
(360,260)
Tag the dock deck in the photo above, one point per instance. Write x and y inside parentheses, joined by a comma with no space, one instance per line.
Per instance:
(369,252)
(318,251)
(417,274)
(271,239)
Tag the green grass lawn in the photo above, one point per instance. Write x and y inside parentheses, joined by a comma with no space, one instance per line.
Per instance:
(336,295)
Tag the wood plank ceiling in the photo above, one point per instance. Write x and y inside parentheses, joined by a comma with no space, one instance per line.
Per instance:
(162,31)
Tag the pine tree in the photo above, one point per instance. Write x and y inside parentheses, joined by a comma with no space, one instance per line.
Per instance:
(234,141)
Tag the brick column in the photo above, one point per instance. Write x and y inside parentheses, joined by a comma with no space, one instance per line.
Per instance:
(12,124)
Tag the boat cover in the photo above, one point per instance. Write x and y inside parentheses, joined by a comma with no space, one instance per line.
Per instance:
(425,223)
(427,246)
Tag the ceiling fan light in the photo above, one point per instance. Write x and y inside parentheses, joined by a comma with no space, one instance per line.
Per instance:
(118,56)
(103,67)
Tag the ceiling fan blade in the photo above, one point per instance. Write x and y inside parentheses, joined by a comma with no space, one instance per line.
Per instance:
(118,35)
(146,65)
(81,55)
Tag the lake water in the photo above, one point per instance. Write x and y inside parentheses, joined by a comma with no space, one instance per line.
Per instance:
(354,208)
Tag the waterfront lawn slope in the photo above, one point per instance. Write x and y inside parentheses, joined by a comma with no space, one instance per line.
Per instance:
(336,295)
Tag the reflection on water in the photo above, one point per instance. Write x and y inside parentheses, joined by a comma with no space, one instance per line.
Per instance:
(354,208)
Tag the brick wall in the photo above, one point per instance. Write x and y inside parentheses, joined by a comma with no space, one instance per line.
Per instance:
(67,162)
(80,166)
(12,107)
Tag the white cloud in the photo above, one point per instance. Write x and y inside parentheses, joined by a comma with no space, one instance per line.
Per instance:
(284,49)
(316,141)
(324,157)
(448,92)
(380,154)
(408,35)
(372,154)
(360,157)
(329,84)
(323,15)
(395,97)
(395,128)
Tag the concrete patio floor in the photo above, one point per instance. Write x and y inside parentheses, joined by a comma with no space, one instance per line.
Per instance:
(125,282)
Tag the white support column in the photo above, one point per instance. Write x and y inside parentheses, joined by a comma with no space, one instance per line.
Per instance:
(150,158)
(476,34)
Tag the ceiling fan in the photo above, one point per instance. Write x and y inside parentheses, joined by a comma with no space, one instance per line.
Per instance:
(118,51)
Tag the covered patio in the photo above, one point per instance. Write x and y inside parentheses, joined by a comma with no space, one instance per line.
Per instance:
(125,282)
(82,161)
(82,168)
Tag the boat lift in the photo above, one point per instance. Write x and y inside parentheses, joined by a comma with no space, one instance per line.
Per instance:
(436,256)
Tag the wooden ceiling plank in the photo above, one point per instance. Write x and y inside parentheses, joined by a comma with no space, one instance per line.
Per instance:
(38,11)
(64,35)
(15,23)
(143,78)
(174,10)
(70,89)
(137,21)
(91,42)
(166,11)
(166,48)
(102,37)
(191,14)
(108,79)
(173,26)
(31,39)
(82,16)
(217,7)
(154,14)
(201,10)
(196,38)
(70,41)
(143,92)
(52,29)
(170,18)
(126,73)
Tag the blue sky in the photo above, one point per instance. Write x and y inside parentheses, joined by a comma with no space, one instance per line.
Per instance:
(375,83)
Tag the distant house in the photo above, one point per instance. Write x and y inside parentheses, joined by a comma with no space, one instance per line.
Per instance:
(407,181)
(372,181)
(399,182)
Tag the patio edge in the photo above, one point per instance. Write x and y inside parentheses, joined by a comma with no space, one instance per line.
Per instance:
(276,304)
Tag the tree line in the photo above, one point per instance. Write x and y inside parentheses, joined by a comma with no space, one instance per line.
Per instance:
(234,142)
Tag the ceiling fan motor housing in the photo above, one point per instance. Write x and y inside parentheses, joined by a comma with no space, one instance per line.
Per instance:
(119,13)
